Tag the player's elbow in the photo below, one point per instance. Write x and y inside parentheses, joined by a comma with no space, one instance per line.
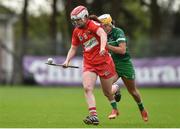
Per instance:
(123,51)
(122,48)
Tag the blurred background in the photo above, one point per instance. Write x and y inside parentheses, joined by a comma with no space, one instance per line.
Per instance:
(33,30)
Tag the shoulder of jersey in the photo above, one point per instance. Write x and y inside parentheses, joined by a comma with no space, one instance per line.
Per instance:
(94,22)
(118,29)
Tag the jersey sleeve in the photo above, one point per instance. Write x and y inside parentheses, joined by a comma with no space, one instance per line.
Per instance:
(75,41)
(120,36)
(93,26)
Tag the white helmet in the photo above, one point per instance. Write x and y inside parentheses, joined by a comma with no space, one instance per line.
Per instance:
(80,12)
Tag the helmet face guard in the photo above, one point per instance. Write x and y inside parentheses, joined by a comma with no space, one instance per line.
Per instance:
(74,21)
(77,22)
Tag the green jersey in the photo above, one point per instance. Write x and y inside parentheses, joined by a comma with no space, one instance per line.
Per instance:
(115,37)
(123,64)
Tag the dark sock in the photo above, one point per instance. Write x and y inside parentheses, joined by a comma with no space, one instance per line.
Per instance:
(113,104)
(141,106)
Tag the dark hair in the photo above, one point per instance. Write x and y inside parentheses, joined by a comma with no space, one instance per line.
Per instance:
(94,18)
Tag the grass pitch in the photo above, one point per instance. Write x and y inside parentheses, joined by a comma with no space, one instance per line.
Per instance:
(40,107)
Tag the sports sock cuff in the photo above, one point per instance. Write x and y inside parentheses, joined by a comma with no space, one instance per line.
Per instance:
(140,103)
(141,106)
(112,101)
(92,108)
(92,111)
(113,104)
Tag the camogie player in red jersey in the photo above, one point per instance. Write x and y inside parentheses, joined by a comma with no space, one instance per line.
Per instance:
(96,61)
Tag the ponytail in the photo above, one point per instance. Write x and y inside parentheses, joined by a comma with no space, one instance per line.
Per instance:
(94,18)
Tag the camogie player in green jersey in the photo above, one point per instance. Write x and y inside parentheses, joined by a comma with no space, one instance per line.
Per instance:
(117,44)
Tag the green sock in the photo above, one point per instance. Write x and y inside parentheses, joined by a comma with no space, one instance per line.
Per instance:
(141,106)
(113,104)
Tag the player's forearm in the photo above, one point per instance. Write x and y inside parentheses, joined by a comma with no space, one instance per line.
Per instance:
(71,53)
(103,38)
(103,42)
(119,50)
(111,42)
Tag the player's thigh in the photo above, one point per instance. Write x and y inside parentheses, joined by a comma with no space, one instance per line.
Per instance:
(89,79)
(107,83)
(125,69)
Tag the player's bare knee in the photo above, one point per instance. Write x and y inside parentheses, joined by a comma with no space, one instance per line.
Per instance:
(88,88)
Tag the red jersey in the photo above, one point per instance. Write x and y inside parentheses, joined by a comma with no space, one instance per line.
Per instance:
(90,42)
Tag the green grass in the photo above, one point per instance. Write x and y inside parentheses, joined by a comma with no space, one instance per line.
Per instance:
(66,107)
